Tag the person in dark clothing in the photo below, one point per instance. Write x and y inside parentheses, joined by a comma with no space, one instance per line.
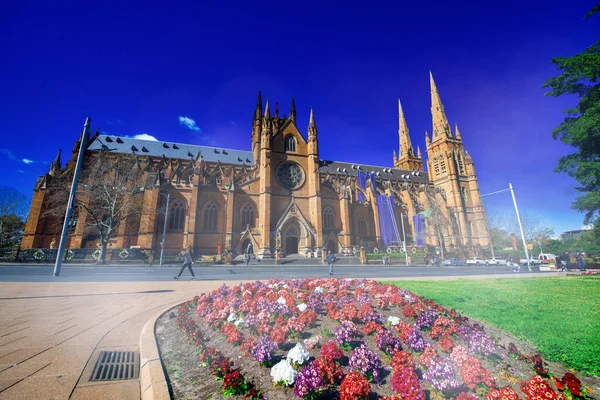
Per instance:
(580,262)
(330,260)
(187,263)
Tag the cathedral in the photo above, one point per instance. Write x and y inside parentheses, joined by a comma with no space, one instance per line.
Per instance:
(283,197)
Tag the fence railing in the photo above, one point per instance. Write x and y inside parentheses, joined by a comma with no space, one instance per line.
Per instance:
(119,256)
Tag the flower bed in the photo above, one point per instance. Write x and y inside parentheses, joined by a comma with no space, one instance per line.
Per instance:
(354,339)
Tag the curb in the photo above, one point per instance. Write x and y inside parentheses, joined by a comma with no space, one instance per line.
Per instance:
(153,382)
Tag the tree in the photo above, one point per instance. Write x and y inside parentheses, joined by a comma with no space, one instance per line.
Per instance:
(110,192)
(13,210)
(581,126)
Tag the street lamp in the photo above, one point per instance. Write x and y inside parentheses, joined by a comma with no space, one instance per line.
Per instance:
(510,188)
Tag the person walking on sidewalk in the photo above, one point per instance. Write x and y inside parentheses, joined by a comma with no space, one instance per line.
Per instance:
(187,263)
(330,260)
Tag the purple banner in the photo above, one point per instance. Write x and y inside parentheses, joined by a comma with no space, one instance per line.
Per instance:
(362,182)
(386,216)
(419,224)
(373,183)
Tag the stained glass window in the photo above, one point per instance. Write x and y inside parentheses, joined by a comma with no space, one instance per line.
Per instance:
(290,175)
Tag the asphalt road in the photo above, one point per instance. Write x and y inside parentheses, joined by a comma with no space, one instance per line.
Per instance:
(43,273)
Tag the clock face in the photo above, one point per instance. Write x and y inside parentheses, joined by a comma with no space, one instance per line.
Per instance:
(290,175)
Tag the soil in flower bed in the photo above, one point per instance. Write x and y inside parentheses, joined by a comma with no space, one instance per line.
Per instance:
(190,380)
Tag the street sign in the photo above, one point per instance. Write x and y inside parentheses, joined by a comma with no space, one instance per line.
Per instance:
(529,246)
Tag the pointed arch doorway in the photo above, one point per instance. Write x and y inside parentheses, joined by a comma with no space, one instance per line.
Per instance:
(292,239)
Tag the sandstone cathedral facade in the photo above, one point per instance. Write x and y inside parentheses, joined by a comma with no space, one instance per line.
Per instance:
(282,195)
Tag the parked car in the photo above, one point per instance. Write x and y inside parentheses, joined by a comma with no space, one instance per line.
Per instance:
(475,261)
(532,261)
(454,261)
(495,261)
(547,258)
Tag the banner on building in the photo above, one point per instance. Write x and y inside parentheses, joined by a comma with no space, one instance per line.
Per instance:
(419,225)
(362,183)
(387,217)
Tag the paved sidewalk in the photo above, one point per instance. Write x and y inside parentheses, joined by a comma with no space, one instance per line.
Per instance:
(52,333)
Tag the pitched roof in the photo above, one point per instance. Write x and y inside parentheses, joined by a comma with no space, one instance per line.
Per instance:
(119,144)
(394,174)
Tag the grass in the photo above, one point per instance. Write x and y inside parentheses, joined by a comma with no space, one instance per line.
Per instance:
(560,316)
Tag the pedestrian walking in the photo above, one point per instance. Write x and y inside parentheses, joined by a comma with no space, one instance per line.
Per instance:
(580,262)
(409,259)
(188,260)
(330,260)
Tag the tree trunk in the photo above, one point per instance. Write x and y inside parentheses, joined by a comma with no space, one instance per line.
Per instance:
(101,259)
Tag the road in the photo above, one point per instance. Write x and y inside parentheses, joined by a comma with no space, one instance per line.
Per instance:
(43,273)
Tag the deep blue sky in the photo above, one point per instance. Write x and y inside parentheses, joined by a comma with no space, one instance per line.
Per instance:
(137,68)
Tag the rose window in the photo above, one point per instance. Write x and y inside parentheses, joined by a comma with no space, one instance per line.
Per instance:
(290,175)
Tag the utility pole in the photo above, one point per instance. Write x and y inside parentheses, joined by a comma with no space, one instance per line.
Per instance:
(162,243)
(65,229)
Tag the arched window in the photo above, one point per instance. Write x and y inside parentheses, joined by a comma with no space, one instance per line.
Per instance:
(461,167)
(211,217)
(290,143)
(362,226)
(436,166)
(443,164)
(327,218)
(247,215)
(463,194)
(177,215)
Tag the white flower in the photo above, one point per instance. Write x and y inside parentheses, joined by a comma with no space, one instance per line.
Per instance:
(319,289)
(281,301)
(232,317)
(283,373)
(393,320)
(298,354)
(301,307)
(239,322)
(285,286)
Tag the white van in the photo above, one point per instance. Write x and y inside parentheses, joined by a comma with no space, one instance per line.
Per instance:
(547,258)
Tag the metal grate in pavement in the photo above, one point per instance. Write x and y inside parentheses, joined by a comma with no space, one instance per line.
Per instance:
(116,365)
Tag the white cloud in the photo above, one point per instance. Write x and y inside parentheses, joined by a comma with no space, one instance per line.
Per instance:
(27,161)
(145,136)
(188,123)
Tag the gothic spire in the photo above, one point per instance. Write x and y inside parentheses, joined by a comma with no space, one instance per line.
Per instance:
(441,127)
(406,149)
(427,141)
(419,155)
(293,111)
(277,109)
(312,126)
(56,164)
(395,158)
(267,113)
(457,132)
(258,110)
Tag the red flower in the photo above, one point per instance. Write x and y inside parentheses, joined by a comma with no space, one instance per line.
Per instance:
(371,327)
(354,387)
(331,351)
(409,311)
(506,393)
(401,359)
(329,371)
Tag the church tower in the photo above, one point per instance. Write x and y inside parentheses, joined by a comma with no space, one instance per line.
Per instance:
(407,159)
(451,169)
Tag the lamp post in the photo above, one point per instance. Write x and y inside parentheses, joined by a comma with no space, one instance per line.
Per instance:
(403,238)
(510,188)
(65,229)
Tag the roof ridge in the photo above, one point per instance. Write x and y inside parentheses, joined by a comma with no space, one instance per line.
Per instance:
(172,142)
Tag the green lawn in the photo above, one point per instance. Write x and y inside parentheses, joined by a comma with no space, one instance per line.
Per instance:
(559,315)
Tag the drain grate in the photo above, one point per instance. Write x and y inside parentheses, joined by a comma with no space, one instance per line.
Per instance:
(116,365)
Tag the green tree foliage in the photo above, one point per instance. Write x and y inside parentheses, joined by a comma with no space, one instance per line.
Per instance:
(13,209)
(581,126)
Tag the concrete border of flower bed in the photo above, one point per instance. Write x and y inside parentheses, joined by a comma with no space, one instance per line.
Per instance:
(153,381)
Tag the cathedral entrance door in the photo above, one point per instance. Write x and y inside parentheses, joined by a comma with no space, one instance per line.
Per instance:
(332,246)
(291,245)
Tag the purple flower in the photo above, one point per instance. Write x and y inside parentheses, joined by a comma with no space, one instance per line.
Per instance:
(415,339)
(387,342)
(442,375)
(366,362)
(263,351)
(426,319)
(308,380)
(480,343)
(345,332)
